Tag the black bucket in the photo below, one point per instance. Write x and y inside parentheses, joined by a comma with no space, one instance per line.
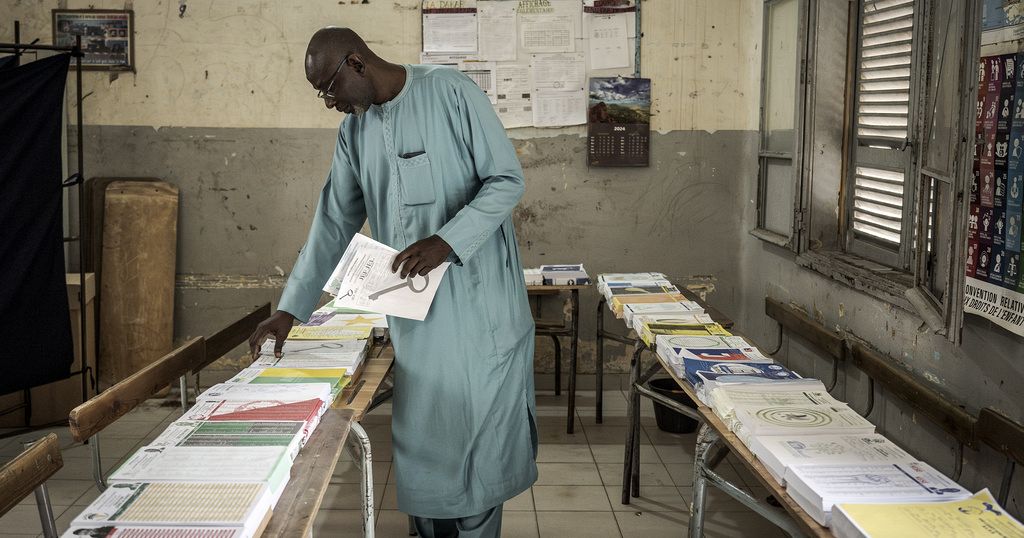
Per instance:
(669,420)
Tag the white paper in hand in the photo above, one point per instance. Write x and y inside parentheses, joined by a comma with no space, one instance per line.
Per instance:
(363,280)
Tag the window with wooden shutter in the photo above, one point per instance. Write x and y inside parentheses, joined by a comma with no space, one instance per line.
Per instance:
(879,197)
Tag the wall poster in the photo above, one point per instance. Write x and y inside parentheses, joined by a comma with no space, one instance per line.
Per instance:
(994,288)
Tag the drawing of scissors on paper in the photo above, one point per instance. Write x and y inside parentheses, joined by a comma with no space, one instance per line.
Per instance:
(409,282)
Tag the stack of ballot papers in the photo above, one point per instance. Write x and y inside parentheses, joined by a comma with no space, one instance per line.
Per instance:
(132,531)
(620,296)
(533,276)
(336,378)
(564,275)
(769,409)
(265,465)
(347,354)
(676,349)
(780,452)
(331,316)
(978,515)
(681,308)
(706,376)
(192,433)
(605,280)
(650,327)
(225,509)
(817,488)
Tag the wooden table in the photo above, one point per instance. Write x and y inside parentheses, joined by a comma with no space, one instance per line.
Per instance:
(311,472)
(717,315)
(713,441)
(568,326)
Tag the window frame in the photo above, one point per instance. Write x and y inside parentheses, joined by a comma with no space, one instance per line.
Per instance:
(905,285)
(796,156)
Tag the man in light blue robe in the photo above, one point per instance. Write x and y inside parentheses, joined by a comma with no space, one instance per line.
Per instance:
(423,156)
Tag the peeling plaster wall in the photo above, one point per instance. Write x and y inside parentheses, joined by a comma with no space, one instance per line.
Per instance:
(220,107)
(240,63)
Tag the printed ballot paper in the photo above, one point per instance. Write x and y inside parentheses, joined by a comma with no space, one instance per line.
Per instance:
(363,280)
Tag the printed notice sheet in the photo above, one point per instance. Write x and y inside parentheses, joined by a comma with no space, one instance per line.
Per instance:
(514,90)
(548,25)
(559,72)
(363,280)
(556,109)
(449,29)
(496,22)
(608,44)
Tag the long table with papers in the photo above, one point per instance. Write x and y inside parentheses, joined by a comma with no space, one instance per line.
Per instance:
(254,455)
(822,462)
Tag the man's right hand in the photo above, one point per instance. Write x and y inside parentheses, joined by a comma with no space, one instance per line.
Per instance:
(278,325)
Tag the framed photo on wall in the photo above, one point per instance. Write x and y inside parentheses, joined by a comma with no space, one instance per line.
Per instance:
(108,36)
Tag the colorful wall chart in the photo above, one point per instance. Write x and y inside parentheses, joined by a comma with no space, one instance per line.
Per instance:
(994,288)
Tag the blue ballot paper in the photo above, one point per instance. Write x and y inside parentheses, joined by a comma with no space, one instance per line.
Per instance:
(700,371)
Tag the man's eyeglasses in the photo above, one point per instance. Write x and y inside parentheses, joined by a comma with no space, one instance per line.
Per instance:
(328,94)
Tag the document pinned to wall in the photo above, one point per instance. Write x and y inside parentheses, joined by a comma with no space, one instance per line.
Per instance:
(363,280)
(447,58)
(557,109)
(496,30)
(608,42)
(559,72)
(514,94)
(483,74)
(548,25)
(449,26)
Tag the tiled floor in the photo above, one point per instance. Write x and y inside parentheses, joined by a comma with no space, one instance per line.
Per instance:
(576,494)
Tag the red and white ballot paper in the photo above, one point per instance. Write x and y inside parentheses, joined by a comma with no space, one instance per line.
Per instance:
(363,280)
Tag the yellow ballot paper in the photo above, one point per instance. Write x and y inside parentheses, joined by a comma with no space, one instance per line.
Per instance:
(979,515)
(352,332)
(335,376)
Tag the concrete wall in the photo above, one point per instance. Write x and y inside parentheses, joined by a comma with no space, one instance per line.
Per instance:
(220,107)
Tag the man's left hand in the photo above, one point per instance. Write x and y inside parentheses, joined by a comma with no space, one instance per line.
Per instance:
(422,256)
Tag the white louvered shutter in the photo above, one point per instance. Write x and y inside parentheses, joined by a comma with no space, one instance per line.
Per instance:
(880,208)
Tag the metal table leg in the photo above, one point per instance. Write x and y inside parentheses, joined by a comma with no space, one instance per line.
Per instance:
(574,357)
(97,463)
(46,512)
(599,361)
(183,387)
(359,447)
(706,438)
(558,364)
(632,424)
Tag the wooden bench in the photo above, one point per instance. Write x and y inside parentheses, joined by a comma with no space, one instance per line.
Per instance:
(87,420)
(29,472)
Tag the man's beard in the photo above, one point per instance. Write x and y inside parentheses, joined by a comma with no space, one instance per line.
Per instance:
(359,110)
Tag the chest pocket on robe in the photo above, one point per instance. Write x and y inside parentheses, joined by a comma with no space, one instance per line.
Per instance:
(417,180)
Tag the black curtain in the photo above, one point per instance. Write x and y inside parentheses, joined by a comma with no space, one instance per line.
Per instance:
(6,61)
(35,329)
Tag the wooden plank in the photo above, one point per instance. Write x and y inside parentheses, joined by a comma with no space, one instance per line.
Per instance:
(359,394)
(92,416)
(311,473)
(800,324)
(229,337)
(925,400)
(1001,433)
(24,473)
(749,460)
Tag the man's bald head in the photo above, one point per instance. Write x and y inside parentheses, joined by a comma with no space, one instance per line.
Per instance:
(347,74)
(328,46)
